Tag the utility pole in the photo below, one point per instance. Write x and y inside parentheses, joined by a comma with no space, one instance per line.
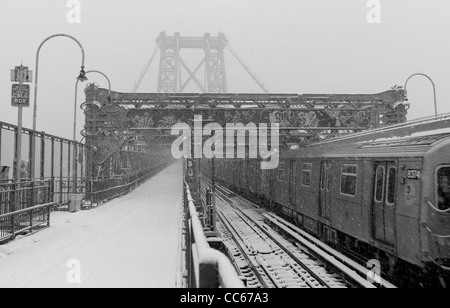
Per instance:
(20,98)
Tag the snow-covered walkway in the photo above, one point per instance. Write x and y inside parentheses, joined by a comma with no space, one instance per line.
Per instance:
(129,242)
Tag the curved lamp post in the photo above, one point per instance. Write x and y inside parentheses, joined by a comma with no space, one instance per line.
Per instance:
(434,89)
(81,77)
(76,99)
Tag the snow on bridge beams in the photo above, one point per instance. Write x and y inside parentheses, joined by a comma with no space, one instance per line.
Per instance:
(115,121)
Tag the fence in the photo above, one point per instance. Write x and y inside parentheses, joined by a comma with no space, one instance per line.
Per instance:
(28,193)
(25,220)
(206,267)
(55,169)
(54,157)
(101,190)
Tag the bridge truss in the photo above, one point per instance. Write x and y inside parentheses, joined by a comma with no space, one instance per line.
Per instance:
(132,124)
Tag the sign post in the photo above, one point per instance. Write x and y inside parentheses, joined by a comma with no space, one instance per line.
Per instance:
(20,98)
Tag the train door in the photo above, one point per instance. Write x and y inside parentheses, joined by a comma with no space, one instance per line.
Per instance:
(241,170)
(384,202)
(292,184)
(273,175)
(256,177)
(325,189)
(264,176)
(245,165)
(234,179)
(258,181)
(240,175)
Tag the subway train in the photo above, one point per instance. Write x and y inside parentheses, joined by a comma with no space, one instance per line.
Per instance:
(382,194)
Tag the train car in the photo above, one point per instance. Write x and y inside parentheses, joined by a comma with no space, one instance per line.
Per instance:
(237,175)
(384,193)
(243,175)
(254,178)
(267,187)
(393,194)
(228,172)
(283,194)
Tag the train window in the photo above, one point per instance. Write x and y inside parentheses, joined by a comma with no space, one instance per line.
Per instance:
(349,179)
(306,174)
(443,188)
(281,172)
(391,185)
(379,181)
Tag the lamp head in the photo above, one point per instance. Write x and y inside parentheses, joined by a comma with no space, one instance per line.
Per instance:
(82,76)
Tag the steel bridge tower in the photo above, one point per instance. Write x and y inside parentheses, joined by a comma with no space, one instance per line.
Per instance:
(171,66)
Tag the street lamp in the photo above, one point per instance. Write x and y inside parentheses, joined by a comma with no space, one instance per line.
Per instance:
(434,89)
(76,99)
(81,77)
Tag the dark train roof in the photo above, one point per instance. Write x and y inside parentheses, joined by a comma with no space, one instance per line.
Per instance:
(409,139)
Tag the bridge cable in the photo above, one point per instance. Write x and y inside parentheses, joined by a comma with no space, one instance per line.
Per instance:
(247,68)
(145,70)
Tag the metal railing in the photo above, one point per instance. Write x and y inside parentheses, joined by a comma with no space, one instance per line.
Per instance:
(444,211)
(25,220)
(102,190)
(29,193)
(206,267)
(63,187)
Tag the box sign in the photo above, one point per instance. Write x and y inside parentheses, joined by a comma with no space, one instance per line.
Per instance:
(20,95)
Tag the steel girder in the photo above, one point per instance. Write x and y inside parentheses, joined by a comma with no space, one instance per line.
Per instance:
(144,120)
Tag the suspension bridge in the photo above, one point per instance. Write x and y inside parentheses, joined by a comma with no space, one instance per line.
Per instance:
(134,197)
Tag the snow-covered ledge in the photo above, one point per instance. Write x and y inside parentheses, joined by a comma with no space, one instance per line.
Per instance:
(212,268)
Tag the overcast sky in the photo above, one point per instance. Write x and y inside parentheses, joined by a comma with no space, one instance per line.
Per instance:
(294,46)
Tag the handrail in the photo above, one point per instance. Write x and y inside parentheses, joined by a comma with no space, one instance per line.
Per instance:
(205,255)
(436,235)
(38,207)
(199,236)
(102,190)
(13,127)
(447,211)
(445,268)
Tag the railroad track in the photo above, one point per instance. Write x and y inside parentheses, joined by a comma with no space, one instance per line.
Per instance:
(271,252)
(265,256)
